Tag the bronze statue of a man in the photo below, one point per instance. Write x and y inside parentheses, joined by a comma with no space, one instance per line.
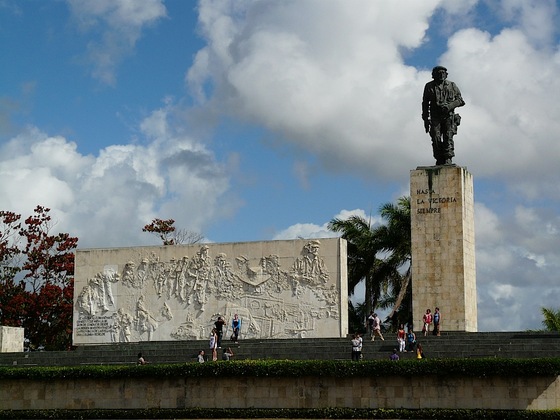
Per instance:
(440,99)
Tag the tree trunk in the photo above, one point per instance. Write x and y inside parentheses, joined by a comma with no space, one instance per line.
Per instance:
(402,293)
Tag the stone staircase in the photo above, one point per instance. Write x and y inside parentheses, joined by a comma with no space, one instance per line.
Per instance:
(449,345)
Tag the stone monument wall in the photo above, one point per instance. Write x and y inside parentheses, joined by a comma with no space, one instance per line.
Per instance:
(279,289)
(443,246)
(11,339)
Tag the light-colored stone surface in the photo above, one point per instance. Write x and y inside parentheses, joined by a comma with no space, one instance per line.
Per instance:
(443,246)
(414,392)
(280,289)
(11,339)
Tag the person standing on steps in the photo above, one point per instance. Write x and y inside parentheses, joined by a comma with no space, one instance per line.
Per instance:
(437,322)
(376,328)
(410,340)
(214,344)
(356,347)
(236,328)
(401,338)
(219,325)
(427,321)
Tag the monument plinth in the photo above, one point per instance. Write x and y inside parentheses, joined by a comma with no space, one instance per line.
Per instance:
(11,339)
(443,246)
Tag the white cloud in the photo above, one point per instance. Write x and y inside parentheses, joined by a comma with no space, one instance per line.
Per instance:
(119,24)
(305,230)
(337,85)
(536,18)
(517,266)
(508,86)
(327,76)
(331,78)
(311,230)
(109,198)
(487,225)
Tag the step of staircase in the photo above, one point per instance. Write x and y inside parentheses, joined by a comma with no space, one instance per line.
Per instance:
(448,345)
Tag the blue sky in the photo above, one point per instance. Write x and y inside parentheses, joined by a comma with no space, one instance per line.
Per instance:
(257,120)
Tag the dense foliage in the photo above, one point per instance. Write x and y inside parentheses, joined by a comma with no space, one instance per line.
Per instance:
(36,278)
(551,321)
(296,368)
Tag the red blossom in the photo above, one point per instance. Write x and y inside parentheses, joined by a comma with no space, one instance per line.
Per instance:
(42,300)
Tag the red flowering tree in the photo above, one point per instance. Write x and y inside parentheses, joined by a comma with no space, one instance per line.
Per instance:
(49,258)
(36,278)
(171,235)
(162,228)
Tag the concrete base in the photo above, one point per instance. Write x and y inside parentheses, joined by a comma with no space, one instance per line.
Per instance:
(509,392)
(443,246)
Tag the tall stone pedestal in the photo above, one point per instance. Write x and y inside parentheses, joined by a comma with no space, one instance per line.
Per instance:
(443,252)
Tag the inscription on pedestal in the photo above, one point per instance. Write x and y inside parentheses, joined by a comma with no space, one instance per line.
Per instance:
(426,204)
(443,260)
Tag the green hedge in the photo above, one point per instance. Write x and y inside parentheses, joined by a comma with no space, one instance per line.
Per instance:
(296,368)
(253,413)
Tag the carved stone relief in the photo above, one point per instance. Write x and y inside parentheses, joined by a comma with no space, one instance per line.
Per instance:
(180,297)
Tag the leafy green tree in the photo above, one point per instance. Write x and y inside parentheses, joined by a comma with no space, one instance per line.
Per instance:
(551,321)
(356,315)
(381,257)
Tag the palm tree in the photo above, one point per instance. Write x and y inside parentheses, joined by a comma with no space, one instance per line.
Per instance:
(395,239)
(378,255)
(361,252)
(551,320)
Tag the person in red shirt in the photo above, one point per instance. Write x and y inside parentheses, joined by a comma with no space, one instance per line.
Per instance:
(427,319)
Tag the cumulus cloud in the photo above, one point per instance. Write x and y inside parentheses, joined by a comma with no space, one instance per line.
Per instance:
(311,230)
(332,79)
(107,199)
(537,19)
(517,266)
(119,25)
(326,76)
